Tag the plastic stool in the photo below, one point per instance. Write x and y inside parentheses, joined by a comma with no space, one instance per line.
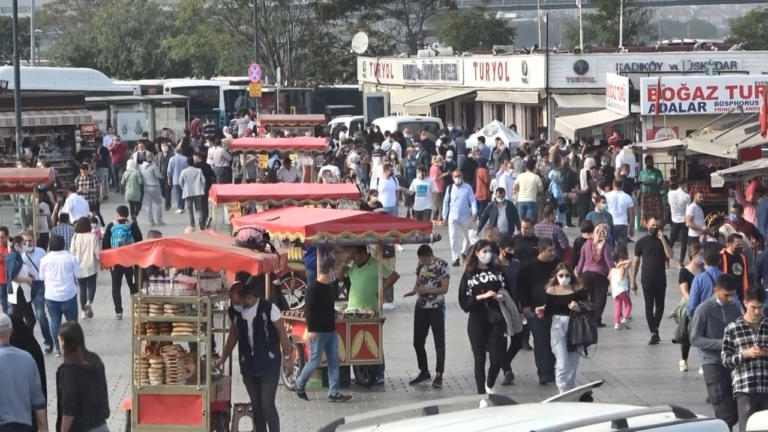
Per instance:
(238,412)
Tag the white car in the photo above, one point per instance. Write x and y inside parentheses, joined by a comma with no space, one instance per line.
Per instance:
(415,124)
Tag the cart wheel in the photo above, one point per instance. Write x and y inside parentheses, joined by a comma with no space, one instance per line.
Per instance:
(294,289)
(365,375)
(221,421)
(289,381)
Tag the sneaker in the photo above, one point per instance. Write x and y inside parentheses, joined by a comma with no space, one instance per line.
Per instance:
(83,315)
(119,316)
(161,223)
(655,339)
(380,380)
(302,395)
(89,310)
(526,346)
(179,211)
(456,263)
(483,403)
(683,365)
(701,370)
(423,376)
(509,378)
(151,223)
(58,353)
(338,397)
(437,382)
(48,349)
(617,326)
(389,306)
(489,390)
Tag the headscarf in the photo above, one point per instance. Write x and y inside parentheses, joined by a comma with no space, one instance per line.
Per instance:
(599,238)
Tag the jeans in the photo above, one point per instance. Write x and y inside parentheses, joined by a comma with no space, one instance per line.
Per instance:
(87,289)
(748,404)
(134,207)
(38,304)
(327,342)
(566,362)
(720,393)
(202,207)
(456,229)
(177,197)
(483,338)
(117,274)
(57,309)
(223,174)
(153,201)
(481,205)
(117,172)
(4,298)
(261,392)
(679,232)
(42,240)
(423,320)
(528,209)
(103,175)
(542,350)
(597,288)
(166,191)
(423,215)
(653,293)
(16,427)
(392,211)
(621,233)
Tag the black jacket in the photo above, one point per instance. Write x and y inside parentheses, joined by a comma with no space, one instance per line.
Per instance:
(210,176)
(81,392)
(491,216)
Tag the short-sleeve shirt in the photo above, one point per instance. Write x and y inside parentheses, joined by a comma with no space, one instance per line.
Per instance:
(654,260)
(422,190)
(364,284)
(678,204)
(619,204)
(431,276)
(528,186)
(250,314)
(651,175)
(695,210)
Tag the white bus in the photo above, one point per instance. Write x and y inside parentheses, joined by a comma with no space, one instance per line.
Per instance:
(206,97)
(64,79)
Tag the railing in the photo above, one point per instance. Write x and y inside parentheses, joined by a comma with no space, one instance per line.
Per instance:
(518,5)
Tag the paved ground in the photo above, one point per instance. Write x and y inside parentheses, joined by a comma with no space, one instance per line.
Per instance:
(634,372)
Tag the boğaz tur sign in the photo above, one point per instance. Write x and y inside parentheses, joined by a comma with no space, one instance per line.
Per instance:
(701,94)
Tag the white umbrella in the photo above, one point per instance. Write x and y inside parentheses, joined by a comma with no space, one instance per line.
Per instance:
(494,130)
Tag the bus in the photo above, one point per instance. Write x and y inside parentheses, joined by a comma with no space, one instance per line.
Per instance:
(206,97)
(90,82)
(146,87)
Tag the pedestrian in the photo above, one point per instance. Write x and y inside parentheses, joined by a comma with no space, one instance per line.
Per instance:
(422,189)
(269,349)
(535,275)
(502,214)
(618,278)
(459,210)
(526,244)
(4,250)
(432,281)
(482,182)
(564,296)
(388,186)
(20,285)
(44,209)
(192,183)
(133,185)
(547,228)
(595,261)
(103,167)
(478,290)
(679,200)
(734,262)
(652,251)
(22,401)
(59,269)
(685,280)
(651,205)
(222,162)
(621,207)
(31,259)
(438,193)
(528,187)
(85,248)
(601,215)
(88,187)
(119,153)
(64,229)
(122,232)
(176,164)
(320,315)
(152,177)
(511,267)
(745,353)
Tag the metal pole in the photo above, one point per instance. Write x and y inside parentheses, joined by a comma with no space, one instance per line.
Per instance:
(581,29)
(621,24)
(256,52)
(538,21)
(17,79)
(550,110)
(32,32)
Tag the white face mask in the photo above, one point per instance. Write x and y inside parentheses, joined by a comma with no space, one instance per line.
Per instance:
(564,280)
(457,181)
(485,257)
(28,249)
(420,176)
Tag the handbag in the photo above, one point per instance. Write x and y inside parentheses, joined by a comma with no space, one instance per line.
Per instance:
(581,333)
(682,331)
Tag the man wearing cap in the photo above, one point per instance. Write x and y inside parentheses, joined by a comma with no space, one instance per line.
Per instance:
(22,394)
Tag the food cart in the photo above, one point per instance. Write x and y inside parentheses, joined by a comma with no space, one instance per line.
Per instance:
(305,149)
(360,333)
(295,124)
(176,387)
(18,189)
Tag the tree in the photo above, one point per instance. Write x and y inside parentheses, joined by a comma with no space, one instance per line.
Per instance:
(473,28)
(751,30)
(601,28)
(6,39)
(694,28)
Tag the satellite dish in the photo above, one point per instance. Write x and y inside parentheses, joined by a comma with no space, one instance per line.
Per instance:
(436,46)
(359,42)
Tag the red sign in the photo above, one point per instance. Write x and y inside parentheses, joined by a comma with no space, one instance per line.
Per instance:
(662,133)
(89,129)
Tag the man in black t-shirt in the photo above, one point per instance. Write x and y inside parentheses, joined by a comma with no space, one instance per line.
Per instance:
(526,244)
(654,251)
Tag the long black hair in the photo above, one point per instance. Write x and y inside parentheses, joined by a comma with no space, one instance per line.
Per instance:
(472,261)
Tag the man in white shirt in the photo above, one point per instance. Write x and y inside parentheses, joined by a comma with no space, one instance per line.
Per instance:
(287,172)
(627,156)
(75,206)
(109,137)
(58,270)
(388,186)
(459,210)
(334,175)
(422,187)
(506,180)
(527,188)
(678,203)
(694,219)
(622,209)
(30,258)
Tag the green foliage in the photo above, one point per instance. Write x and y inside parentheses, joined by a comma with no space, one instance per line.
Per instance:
(473,28)
(751,30)
(694,28)
(601,27)
(6,39)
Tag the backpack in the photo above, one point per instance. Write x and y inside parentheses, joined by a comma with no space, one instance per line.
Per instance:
(121,235)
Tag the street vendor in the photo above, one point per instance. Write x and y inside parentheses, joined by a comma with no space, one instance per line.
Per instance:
(363,271)
(651,204)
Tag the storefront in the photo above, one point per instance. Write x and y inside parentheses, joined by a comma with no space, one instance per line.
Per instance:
(133,115)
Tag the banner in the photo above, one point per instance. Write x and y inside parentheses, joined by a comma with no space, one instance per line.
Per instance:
(617,93)
(660,133)
(696,95)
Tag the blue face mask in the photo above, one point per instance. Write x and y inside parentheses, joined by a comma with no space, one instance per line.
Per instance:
(238,308)
(733,217)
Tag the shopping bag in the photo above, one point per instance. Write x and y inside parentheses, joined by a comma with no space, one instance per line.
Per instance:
(581,333)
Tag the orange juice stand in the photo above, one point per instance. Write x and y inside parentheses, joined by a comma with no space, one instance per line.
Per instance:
(177,320)
(360,334)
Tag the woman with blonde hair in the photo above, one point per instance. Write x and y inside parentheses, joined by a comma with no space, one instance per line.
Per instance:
(86,247)
(595,261)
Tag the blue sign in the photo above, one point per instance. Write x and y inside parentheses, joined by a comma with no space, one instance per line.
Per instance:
(254,72)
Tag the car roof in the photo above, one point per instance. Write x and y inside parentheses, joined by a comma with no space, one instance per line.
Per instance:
(407,118)
(343,118)
(523,417)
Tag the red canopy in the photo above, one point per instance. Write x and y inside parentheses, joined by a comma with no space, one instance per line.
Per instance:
(198,250)
(318,224)
(283,193)
(308,144)
(24,180)
(291,120)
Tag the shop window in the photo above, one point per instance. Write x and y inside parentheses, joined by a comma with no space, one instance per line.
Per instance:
(498,112)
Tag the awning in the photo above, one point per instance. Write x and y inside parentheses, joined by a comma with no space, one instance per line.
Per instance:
(579,100)
(745,170)
(440,96)
(291,120)
(295,144)
(742,136)
(64,117)
(522,97)
(706,144)
(278,193)
(659,146)
(399,97)
(27,180)
(569,125)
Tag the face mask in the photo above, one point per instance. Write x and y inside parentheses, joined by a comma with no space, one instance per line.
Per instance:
(699,261)
(564,280)
(603,206)
(485,257)
(448,159)
(603,163)
(238,308)
(500,200)
(29,249)
(721,302)
(733,217)
(376,146)
(457,181)
(420,176)
(653,232)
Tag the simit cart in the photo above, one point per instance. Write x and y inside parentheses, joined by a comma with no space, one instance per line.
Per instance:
(21,186)
(178,316)
(361,334)
(305,148)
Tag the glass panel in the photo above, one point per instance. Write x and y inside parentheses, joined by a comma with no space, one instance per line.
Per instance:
(172,117)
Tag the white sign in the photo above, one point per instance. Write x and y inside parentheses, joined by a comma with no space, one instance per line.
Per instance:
(130,125)
(410,71)
(617,93)
(505,72)
(692,95)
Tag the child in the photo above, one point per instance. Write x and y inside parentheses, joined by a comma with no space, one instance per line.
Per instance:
(96,227)
(618,278)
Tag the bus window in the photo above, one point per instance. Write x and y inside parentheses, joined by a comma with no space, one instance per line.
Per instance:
(203,100)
